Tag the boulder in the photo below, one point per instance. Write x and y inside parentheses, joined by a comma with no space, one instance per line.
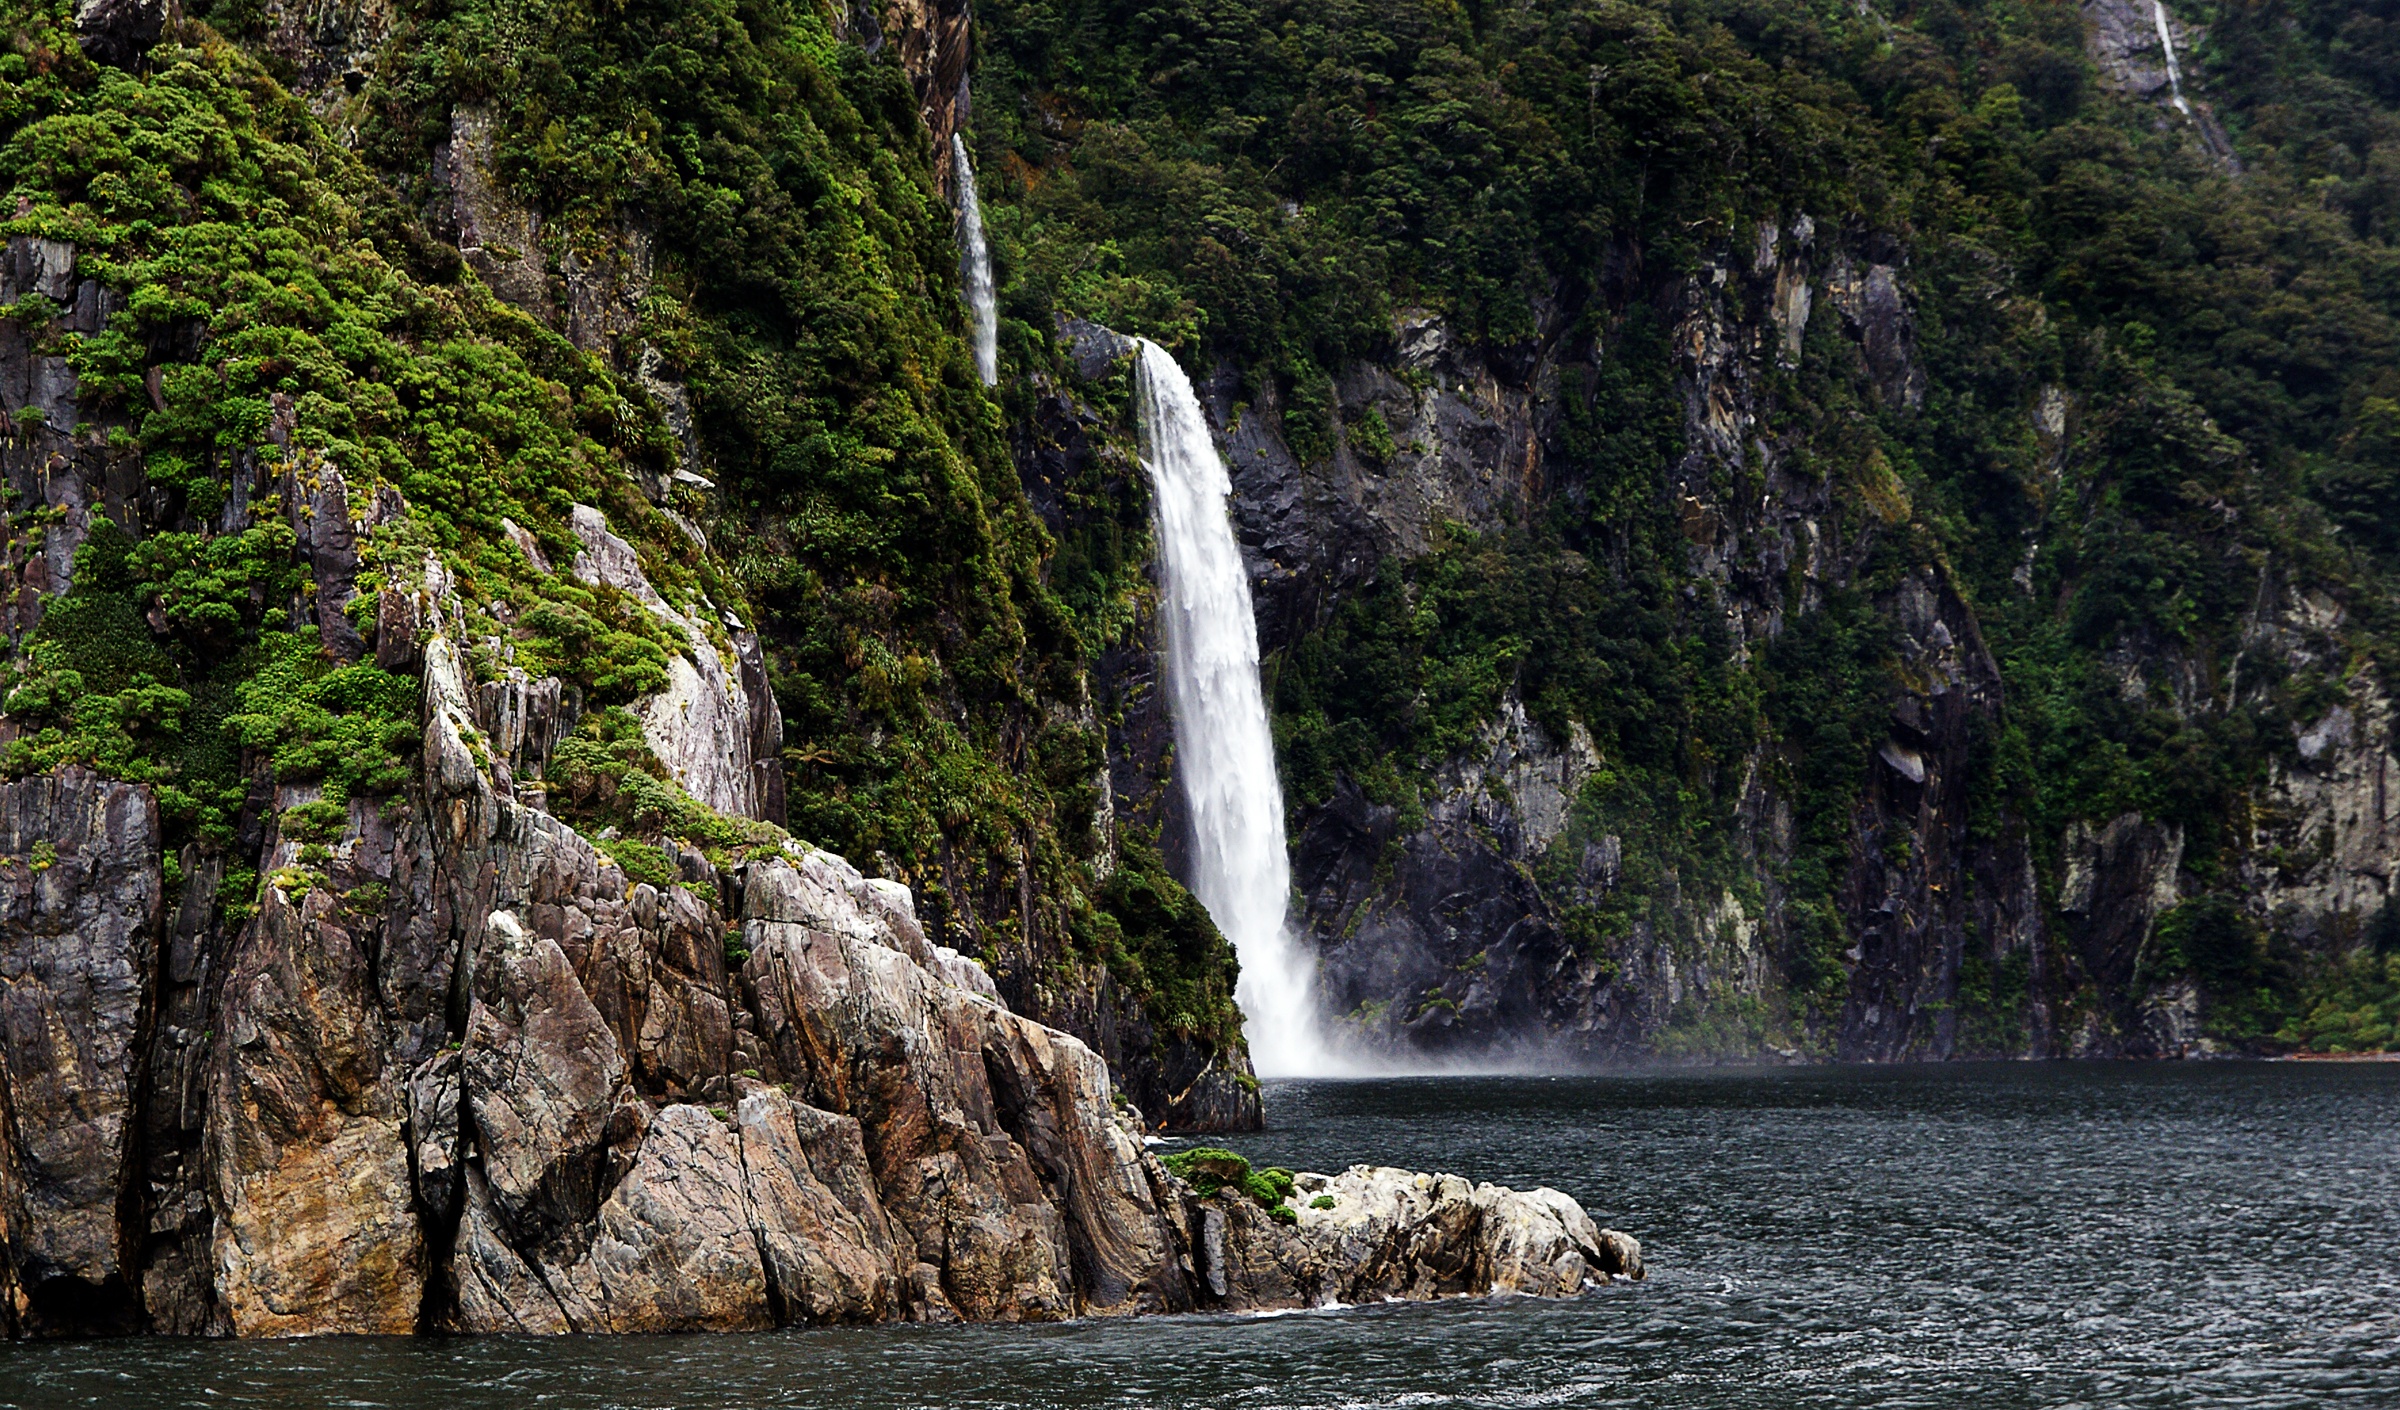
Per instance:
(1396,1234)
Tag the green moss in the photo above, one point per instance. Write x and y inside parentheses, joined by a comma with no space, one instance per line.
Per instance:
(1211,1169)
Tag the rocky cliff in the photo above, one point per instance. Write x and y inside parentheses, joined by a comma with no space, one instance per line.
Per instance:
(458,1071)
(1898,895)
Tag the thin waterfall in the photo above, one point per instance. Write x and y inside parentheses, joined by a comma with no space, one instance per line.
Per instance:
(1223,750)
(2166,41)
(975,266)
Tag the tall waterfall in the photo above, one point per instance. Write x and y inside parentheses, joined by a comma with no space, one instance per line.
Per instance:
(2166,41)
(1223,751)
(975,262)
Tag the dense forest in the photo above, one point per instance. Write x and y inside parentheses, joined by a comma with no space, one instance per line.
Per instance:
(2082,482)
(2202,293)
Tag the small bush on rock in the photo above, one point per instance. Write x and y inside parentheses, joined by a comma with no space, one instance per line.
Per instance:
(1211,1170)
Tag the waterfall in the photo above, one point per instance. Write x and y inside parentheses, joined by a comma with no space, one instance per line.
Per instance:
(2166,41)
(1223,750)
(975,266)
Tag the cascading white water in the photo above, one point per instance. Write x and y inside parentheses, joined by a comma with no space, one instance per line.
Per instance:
(2166,41)
(1223,750)
(975,262)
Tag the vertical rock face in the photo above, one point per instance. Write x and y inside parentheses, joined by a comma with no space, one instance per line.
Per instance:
(304,1145)
(1450,944)
(80,911)
(1084,478)
(1913,916)
(2327,858)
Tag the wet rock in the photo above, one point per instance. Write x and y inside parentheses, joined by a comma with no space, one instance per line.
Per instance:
(2118,879)
(1441,939)
(1094,350)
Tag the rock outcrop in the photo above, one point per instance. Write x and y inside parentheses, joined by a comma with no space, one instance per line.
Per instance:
(1373,1234)
(457,1072)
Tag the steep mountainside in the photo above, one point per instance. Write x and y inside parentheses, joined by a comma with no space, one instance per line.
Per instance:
(1778,528)
(1783,528)
(472,480)
(304,297)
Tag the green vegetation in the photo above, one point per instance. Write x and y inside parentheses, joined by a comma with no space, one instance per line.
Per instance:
(271,320)
(605,779)
(2355,1008)
(1269,183)
(289,309)
(1265,185)
(1210,1169)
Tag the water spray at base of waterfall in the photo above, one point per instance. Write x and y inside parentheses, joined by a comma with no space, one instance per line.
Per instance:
(1224,751)
(2166,41)
(975,267)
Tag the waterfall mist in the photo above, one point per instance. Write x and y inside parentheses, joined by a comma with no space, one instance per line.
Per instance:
(975,267)
(1224,753)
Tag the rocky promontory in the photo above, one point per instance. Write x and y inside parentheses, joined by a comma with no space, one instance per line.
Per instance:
(459,1072)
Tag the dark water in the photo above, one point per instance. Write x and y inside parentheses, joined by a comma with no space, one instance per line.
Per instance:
(2186,1235)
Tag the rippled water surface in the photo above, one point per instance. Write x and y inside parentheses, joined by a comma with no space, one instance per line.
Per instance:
(2061,1235)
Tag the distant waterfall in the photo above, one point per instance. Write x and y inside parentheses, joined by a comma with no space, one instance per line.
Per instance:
(975,264)
(2166,41)
(1223,751)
